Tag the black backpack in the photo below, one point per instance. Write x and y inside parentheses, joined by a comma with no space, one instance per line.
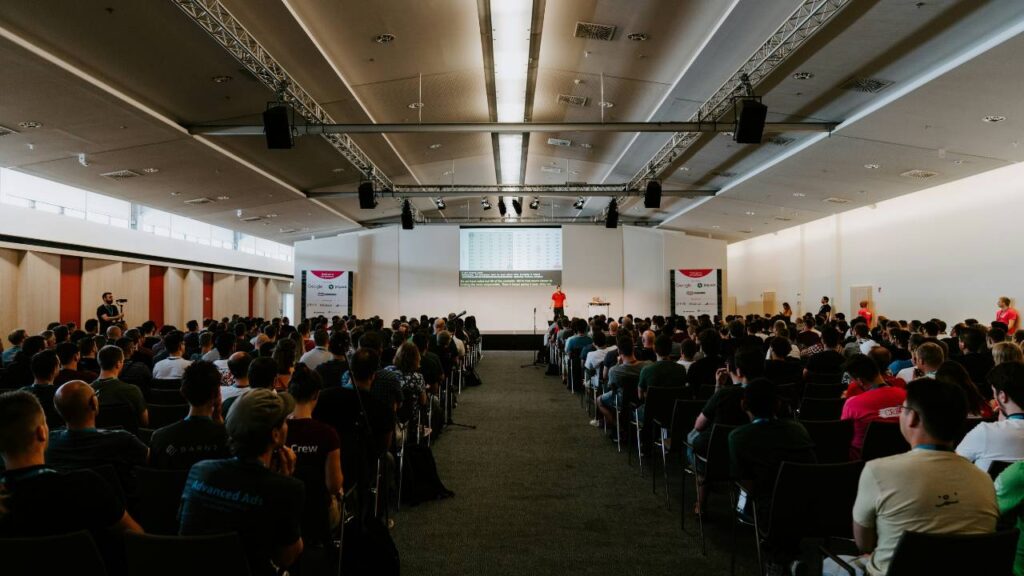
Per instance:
(369,549)
(470,377)
(420,481)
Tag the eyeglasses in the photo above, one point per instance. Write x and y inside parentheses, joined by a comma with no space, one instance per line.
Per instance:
(904,408)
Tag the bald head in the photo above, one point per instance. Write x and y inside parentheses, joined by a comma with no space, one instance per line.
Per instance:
(648,338)
(77,404)
(439,325)
(113,333)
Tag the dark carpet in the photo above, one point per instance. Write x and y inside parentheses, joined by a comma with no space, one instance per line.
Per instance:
(539,491)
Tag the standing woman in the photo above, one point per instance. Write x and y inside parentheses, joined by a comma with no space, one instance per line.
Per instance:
(787,311)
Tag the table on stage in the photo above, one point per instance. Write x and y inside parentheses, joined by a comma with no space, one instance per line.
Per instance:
(596,308)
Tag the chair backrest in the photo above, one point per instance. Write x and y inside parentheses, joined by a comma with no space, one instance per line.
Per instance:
(159,495)
(684,414)
(161,415)
(974,554)
(660,402)
(883,439)
(831,439)
(705,392)
(996,468)
(161,396)
(214,555)
(824,378)
(967,426)
(315,520)
(812,390)
(74,553)
(166,383)
(814,500)
(821,408)
(717,468)
(117,416)
(112,477)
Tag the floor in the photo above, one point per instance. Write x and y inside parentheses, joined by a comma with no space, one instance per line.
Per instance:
(539,491)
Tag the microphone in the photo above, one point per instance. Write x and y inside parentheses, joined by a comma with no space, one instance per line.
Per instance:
(460,314)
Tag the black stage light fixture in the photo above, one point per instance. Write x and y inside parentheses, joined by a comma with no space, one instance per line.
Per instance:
(407,223)
(652,197)
(485,203)
(439,202)
(578,204)
(517,205)
(535,203)
(501,206)
(750,122)
(367,200)
(612,219)
(277,127)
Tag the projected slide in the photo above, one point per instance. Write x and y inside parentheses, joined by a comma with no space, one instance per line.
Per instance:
(510,256)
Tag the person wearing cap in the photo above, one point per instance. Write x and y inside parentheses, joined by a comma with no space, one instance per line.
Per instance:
(251,494)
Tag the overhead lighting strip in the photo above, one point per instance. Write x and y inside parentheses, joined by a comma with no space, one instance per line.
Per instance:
(510,44)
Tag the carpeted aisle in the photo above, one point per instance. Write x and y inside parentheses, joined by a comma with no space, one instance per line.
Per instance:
(538,491)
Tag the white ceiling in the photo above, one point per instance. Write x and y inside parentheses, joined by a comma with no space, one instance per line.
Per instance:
(121,80)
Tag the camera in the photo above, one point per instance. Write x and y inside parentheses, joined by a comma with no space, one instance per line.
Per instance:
(121,300)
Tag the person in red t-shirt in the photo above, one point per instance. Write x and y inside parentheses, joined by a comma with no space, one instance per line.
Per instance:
(1007,315)
(882,358)
(864,312)
(879,402)
(558,302)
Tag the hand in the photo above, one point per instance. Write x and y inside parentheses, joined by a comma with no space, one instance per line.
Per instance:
(283,461)
(722,378)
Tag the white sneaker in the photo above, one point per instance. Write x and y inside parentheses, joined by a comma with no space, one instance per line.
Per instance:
(595,423)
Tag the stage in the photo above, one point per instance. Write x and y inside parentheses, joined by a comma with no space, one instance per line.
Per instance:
(512,340)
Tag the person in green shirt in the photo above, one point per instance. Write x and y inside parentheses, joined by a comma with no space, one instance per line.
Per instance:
(1010,498)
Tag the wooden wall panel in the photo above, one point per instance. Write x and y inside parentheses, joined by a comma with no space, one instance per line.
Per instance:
(135,279)
(10,261)
(272,300)
(39,290)
(99,276)
(229,295)
(174,297)
(259,297)
(71,289)
(192,297)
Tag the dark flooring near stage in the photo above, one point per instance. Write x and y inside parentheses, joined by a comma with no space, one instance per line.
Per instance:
(539,491)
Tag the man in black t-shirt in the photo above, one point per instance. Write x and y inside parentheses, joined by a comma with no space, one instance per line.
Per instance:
(45,367)
(41,501)
(107,313)
(253,493)
(201,435)
(826,309)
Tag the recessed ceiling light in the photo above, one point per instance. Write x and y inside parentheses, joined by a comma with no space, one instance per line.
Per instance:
(586,146)
(716,227)
(435,146)
(749,213)
(606,104)
(447,172)
(338,170)
(150,170)
(799,194)
(574,172)
(871,166)
(384,38)
(958,162)
(684,169)
(803,75)
(223,197)
(416,105)
(30,124)
(221,79)
(992,119)
(271,215)
(175,193)
(637,36)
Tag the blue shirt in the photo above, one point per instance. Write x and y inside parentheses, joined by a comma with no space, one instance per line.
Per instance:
(898,365)
(10,353)
(577,344)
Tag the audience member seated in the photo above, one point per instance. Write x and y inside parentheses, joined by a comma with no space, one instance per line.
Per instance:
(878,402)
(414,392)
(703,371)
(830,359)
(201,435)
(172,367)
(251,494)
(929,489)
(592,363)
(862,341)
(82,445)
(1002,440)
(18,373)
(45,367)
(38,500)
(975,355)
(16,337)
(238,375)
(316,445)
(927,359)
(1010,497)
(319,354)
(332,371)
(134,371)
(687,353)
(111,390)
(646,351)
(781,367)
(882,359)
(87,350)
(623,382)
(977,406)
(1006,352)
(664,373)
(68,354)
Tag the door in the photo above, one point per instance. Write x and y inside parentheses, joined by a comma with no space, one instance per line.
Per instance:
(768,303)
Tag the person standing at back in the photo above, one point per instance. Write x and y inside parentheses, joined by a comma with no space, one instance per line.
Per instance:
(1007,315)
(825,312)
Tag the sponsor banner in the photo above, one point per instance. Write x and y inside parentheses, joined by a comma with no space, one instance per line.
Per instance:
(510,278)
(326,293)
(696,292)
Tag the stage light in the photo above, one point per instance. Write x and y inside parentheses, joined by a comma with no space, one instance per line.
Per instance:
(578,204)
(501,206)
(407,222)
(750,122)
(485,203)
(517,205)
(277,127)
(535,203)
(652,198)
(439,202)
(367,200)
(612,219)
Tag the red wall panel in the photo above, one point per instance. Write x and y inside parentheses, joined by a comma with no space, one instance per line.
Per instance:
(252,288)
(71,289)
(156,294)
(207,295)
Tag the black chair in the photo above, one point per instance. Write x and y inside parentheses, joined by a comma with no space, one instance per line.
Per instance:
(161,396)
(659,403)
(74,553)
(974,554)
(711,469)
(824,378)
(819,408)
(809,501)
(883,439)
(158,497)
(832,439)
(166,384)
(216,555)
(966,427)
(812,390)
(161,415)
(670,435)
(706,391)
(117,416)
(996,468)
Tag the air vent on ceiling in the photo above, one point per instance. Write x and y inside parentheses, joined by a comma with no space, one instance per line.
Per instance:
(919,174)
(836,200)
(198,201)
(551,169)
(869,85)
(121,174)
(591,31)
(560,142)
(783,219)
(780,140)
(723,173)
(5,131)
(577,101)
(252,219)
(287,230)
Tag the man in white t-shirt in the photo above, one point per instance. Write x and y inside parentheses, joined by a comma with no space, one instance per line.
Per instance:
(1002,440)
(596,356)
(172,367)
(927,359)
(929,489)
(319,354)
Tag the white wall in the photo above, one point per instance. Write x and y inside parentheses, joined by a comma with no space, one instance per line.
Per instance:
(947,252)
(417,272)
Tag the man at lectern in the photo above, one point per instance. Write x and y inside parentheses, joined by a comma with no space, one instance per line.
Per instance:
(558,301)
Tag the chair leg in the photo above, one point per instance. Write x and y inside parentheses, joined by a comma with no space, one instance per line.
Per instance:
(618,428)
(639,450)
(700,516)
(664,469)
(757,538)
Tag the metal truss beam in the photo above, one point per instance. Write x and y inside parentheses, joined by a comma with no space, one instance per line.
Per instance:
(477,190)
(222,26)
(803,23)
